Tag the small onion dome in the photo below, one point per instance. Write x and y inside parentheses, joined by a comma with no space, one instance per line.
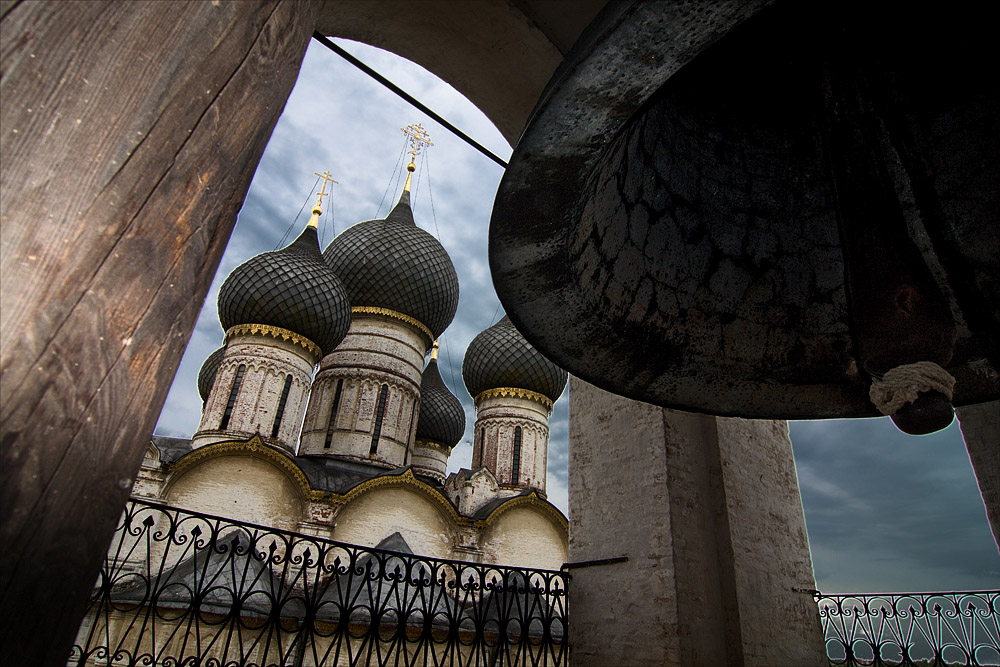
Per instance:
(292,288)
(442,417)
(206,376)
(394,264)
(501,357)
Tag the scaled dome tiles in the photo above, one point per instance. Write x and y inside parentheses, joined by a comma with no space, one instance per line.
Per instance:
(206,376)
(442,417)
(501,357)
(394,264)
(292,288)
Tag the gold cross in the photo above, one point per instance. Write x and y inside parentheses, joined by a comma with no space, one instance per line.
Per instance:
(418,139)
(326,179)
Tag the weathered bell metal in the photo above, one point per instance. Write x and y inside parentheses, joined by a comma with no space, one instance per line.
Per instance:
(756,210)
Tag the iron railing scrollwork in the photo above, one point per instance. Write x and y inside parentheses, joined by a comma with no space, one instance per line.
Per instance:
(182,589)
(912,629)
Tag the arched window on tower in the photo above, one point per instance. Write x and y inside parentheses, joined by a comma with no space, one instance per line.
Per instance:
(281,406)
(333,414)
(233,393)
(516,466)
(379,413)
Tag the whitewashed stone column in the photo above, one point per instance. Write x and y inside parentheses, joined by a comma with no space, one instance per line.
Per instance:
(379,363)
(272,359)
(707,510)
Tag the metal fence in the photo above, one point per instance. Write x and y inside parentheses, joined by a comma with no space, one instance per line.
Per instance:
(180,588)
(912,629)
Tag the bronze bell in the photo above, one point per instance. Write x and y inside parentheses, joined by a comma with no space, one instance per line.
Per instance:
(760,210)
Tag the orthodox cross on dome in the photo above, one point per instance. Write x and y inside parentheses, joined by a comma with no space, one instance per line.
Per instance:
(318,208)
(434,352)
(418,139)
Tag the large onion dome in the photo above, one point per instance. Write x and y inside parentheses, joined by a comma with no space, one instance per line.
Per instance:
(501,357)
(442,417)
(391,263)
(206,376)
(292,288)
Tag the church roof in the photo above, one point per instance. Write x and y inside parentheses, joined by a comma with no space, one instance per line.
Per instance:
(292,288)
(391,263)
(501,357)
(442,417)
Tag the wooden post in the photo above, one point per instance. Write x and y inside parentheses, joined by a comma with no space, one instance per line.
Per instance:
(130,133)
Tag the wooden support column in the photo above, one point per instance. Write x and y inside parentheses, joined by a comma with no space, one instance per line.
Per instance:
(130,133)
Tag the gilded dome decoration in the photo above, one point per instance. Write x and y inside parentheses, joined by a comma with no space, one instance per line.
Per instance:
(206,376)
(292,288)
(501,357)
(442,417)
(391,263)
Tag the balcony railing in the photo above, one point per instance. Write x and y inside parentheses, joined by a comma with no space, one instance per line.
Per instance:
(912,629)
(181,588)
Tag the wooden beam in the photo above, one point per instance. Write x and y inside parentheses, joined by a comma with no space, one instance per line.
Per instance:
(131,132)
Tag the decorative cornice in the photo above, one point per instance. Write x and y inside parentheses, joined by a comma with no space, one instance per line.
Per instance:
(514,392)
(430,444)
(407,479)
(530,500)
(275,332)
(396,315)
(256,447)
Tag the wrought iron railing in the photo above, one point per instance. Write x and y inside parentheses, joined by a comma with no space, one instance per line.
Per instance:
(180,588)
(912,629)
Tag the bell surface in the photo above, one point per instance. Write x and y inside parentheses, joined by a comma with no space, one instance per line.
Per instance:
(752,209)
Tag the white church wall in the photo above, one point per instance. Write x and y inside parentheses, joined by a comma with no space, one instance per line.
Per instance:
(377,514)
(239,487)
(524,537)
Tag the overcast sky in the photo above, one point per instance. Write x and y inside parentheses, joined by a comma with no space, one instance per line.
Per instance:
(885,512)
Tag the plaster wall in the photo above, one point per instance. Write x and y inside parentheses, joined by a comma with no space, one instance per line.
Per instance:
(708,513)
(981,431)
(378,351)
(524,537)
(496,420)
(377,514)
(268,361)
(239,487)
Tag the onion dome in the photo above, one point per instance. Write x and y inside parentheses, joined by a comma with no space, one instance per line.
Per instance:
(391,263)
(501,357)
(206,376)
(442,417)
(292,288)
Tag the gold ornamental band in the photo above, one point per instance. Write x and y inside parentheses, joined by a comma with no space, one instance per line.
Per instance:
(396,315)
(430,444)
(275,332)
(514,392)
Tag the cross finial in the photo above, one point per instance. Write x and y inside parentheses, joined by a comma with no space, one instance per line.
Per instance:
(322,193)
(434,353)
(419,139)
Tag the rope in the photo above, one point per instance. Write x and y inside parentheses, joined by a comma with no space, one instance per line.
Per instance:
(292,226)
(902,384)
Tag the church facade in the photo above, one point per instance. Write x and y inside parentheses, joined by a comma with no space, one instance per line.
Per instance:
(357,451)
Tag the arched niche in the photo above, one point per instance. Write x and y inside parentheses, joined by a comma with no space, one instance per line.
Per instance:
(238,486)
(525,536)
(377,513)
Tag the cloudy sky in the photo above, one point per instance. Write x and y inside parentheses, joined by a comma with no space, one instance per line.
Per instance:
(885,512)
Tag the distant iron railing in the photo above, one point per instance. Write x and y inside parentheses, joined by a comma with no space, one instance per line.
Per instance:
(912,629)
(182,589)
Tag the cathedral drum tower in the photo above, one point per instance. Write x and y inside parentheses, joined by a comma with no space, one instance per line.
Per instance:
(440,425)
(514,388)
(281,312)
(404,293)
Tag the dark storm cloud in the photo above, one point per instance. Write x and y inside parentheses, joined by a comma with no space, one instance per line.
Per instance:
(892,512)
